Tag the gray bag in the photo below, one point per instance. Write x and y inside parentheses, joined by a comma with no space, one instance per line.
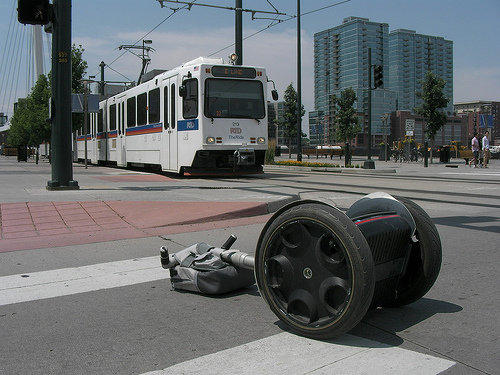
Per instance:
(203,271)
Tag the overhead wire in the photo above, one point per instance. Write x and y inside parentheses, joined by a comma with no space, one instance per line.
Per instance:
(5,68)
(272,24)
(174,11)
(15,42)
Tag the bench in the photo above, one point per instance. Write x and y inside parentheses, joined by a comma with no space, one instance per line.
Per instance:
(322,152)
(466,155)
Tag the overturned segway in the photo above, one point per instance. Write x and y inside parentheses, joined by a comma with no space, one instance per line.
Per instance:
(320,269)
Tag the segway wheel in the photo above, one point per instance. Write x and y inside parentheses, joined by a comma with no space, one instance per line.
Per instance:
(315,270)
(425,258)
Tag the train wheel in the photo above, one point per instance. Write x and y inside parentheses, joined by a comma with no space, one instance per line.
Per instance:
(425,258)
(314,268)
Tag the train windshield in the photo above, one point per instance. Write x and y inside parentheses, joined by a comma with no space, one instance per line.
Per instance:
(231,98)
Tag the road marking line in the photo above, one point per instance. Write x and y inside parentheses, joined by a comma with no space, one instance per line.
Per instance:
(67,281)
(286,353)
(281,353)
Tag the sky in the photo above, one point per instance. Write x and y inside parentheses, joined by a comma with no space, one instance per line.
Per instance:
(101,26)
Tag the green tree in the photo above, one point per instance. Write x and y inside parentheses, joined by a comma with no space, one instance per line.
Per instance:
(346,119)
(18,132)
(433,102)
(78,70)
(28,124)
(290,116)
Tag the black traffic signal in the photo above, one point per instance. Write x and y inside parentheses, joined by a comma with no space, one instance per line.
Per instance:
(33,12)
(378,76)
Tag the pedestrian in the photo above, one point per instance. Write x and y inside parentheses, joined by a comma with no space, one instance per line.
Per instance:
(486,149)
(475,150)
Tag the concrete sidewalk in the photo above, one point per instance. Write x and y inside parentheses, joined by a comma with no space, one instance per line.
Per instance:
(33,218)
(114,203)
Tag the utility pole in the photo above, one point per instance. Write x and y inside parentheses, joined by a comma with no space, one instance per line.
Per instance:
(101,83)
(369,164)
(299,88)
(238,8)
(61,160)
(238,27)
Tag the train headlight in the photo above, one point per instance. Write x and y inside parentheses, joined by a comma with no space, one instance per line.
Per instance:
(261,140)
(210,140)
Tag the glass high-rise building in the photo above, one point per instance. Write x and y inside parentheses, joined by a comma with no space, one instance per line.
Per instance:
(411,55)
(341,62)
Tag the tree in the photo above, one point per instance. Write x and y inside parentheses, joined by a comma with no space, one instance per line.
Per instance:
(346,119)
(28,124)
(78,71)
(290,116)
(18,132)
(433,102)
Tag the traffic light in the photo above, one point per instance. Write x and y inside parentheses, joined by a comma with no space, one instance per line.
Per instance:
(33,12)
(378,76)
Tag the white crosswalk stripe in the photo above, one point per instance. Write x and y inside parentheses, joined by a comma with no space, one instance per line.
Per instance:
(278,354)
(286,353)
(67,281)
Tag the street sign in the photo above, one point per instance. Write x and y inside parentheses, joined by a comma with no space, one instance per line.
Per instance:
(410,127)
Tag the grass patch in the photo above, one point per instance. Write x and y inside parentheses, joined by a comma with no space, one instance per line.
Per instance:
(295,163)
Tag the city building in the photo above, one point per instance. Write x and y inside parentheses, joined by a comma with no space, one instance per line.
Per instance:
(411,56)
(341,62)
(481,116)
(406,124)
(274,119)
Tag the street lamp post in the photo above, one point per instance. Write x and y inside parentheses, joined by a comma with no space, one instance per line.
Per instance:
(384,118)
(86,82)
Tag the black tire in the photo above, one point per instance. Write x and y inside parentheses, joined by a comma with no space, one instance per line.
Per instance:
(425,258)
(315,270)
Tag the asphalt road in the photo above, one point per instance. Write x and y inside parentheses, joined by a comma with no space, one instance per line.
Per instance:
(107,307)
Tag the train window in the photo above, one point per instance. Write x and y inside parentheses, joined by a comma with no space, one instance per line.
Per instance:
(131,112)
(154,106)
(231,98)
(172,105)
(190,101)
(100,121)
(112,117)
(142,109)
(165,107)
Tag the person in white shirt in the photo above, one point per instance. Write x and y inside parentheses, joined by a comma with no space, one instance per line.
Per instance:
(475,150)
(486,149)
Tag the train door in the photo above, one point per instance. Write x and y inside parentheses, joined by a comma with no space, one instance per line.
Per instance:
(169,140)
(121,143)
(102,143)
(94,153)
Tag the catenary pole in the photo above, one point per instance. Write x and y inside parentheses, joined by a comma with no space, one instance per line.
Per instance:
(238,37)
(299,88)
(369,164)
(61,160)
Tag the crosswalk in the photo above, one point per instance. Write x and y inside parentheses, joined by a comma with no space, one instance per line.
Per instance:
(286,353)
(278,354)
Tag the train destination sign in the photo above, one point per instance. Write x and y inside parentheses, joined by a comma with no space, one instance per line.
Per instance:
(225,71)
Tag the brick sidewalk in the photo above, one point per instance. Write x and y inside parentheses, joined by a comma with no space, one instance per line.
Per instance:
(31,225)
(31,219)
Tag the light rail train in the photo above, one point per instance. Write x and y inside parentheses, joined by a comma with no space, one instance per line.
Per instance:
(203,117)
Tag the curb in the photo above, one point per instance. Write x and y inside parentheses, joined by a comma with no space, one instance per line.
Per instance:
(269,168)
